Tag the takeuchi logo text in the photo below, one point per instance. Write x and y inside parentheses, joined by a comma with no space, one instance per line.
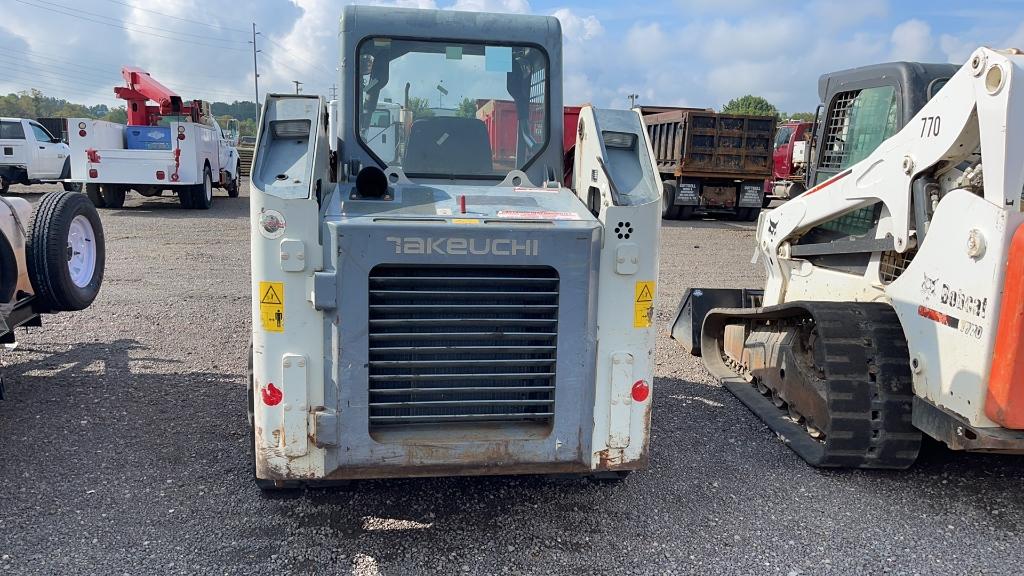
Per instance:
(455,246)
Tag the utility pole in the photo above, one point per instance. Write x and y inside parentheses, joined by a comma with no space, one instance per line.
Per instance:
(297,84)
(255,71)
(334,91)
(632,100)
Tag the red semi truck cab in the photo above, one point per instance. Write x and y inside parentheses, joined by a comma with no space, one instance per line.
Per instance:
(789,159)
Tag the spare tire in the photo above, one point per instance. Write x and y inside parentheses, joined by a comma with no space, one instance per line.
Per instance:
(65,252)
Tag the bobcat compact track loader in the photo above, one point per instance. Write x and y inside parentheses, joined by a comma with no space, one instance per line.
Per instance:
(427,304)
(894,301)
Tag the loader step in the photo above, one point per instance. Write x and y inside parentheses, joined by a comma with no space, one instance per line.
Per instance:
(853,356)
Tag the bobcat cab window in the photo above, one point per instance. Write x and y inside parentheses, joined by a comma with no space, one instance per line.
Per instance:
(452,109)
(858,121)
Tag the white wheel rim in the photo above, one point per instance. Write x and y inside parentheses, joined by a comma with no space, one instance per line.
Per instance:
(208,188)
(81,251)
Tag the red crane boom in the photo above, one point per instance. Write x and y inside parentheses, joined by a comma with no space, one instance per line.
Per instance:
(141,88)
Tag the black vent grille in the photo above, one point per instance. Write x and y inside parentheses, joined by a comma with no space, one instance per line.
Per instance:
(462,344)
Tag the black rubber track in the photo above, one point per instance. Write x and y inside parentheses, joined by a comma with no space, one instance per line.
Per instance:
(46,252)
(866,372)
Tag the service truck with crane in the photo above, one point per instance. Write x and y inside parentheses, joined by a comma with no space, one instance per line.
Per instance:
(894,300)
(172,146)
(442,313)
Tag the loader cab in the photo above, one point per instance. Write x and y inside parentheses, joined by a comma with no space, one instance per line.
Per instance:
(444,91)
(865,106)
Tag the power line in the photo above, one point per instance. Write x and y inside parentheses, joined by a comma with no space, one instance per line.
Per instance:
(130,29)
(215,26)
(296,56)
(104,16)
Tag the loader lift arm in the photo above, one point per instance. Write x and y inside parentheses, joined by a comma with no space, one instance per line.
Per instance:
(868,335)
(972,111)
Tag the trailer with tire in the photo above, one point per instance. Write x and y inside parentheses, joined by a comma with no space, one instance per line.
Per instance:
(51,259)
(711,163)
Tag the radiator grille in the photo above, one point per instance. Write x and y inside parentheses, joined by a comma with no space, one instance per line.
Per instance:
(462,344)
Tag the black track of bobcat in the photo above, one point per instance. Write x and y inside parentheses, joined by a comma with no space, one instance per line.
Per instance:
(867,380)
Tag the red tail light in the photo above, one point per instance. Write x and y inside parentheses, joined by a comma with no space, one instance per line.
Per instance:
(641,391)
(82,133)
(93,173)
(181,136)
(159,174)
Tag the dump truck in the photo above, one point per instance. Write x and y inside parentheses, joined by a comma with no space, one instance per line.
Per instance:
(444,313)
(712,163)
(894,298)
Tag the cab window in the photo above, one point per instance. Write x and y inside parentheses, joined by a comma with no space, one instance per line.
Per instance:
(782,136)
(40,133)
(11,131)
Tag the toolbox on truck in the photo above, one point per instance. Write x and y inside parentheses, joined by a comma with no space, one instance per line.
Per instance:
(147,137)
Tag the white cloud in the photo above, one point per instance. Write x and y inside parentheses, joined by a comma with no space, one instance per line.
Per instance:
(911,41)
(576,28)
(504,6)
(835,15)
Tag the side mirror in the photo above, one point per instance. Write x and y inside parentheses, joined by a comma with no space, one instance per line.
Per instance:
(55,140)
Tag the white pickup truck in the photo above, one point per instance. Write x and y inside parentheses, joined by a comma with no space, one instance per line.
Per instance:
(29,154)
(185,157)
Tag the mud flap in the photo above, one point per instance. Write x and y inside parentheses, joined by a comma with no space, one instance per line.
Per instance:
(695,305)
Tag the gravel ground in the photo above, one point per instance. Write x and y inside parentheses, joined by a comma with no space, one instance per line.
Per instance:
(124,452)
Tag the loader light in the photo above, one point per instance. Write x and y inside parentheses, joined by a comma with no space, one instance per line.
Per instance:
(81,125)
(181,136)
(159,174)
(290,129)
(82,133)
(93,173)
(619,139)
(641,391)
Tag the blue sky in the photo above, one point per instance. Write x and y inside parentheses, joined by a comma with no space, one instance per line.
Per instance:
(671,52)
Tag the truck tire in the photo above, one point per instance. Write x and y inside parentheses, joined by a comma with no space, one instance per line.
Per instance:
(113,195)
(5,185)
(233,185)
(65,251)
(685,212)
(93,192)
(767,201)
(71,186)
(202,195)
(669,211)
(185,196)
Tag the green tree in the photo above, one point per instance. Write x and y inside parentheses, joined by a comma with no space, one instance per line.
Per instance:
(802,116)
(118,115)
(751,104)
(466,109)
(420,108)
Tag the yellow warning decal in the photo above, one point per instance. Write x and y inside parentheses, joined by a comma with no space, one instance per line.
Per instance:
(465,221)
(643,305)
(272,306)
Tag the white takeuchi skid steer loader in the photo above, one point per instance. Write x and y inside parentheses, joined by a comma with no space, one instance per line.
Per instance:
(894,301)
(424,304)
